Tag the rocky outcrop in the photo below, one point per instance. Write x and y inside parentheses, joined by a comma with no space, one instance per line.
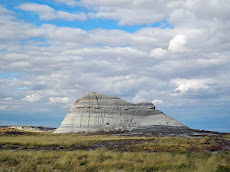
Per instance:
(96,112)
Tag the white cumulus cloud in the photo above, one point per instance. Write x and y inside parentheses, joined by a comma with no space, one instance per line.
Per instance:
(59,99)
(177,44)
(158,52)
(157,101)
(138,99)
(183,85)
(32,98)
(8,98)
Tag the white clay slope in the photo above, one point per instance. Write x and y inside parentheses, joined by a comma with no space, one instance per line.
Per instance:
(96,112)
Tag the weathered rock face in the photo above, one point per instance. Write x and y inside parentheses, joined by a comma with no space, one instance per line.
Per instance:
(96,112)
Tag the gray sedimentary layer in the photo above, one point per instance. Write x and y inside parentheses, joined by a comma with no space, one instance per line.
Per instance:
(160,130)
(96,112)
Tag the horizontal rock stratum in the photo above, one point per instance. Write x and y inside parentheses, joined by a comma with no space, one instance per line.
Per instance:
(96,112)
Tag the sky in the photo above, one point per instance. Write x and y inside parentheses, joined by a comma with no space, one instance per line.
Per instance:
(174,53)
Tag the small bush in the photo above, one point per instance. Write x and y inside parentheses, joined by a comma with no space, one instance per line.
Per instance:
(183,165)
(207,155)
(84,162)
(82,157)
(187,153)
(150,169)
(103,157)
(222,168)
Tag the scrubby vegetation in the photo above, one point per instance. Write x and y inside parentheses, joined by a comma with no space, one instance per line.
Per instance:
(104,160)
(71,152)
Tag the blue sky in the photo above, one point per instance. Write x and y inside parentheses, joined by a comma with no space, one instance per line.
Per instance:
(172,53)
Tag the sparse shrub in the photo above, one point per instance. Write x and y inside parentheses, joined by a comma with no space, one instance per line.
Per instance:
(10,160)
(150,169)
(82,157)
(222,168)
(84,162)
(91,169)
(103,157)
(187,153)
(182,165)
(140,161)
(207,155)
(226,152)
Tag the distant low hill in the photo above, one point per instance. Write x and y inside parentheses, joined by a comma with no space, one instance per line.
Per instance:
(29,128)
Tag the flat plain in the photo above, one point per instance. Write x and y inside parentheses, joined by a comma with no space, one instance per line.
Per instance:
(30,151)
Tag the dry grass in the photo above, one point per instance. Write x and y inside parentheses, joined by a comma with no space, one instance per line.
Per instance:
(64,140)
(103,160)
(151,154)
(157,144)
(178,144)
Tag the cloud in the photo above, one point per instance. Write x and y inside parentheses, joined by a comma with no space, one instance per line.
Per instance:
(12,29)
(138,99)
(156,101)
(39,87)
(5,11)
(32,98)
(177,44)
(138,12)
(184,85)
(8,98)
(130,12)
(158,52)
(187,65)
(213,9)
(69,2)
(47,13)
(59,99)
(3,107)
